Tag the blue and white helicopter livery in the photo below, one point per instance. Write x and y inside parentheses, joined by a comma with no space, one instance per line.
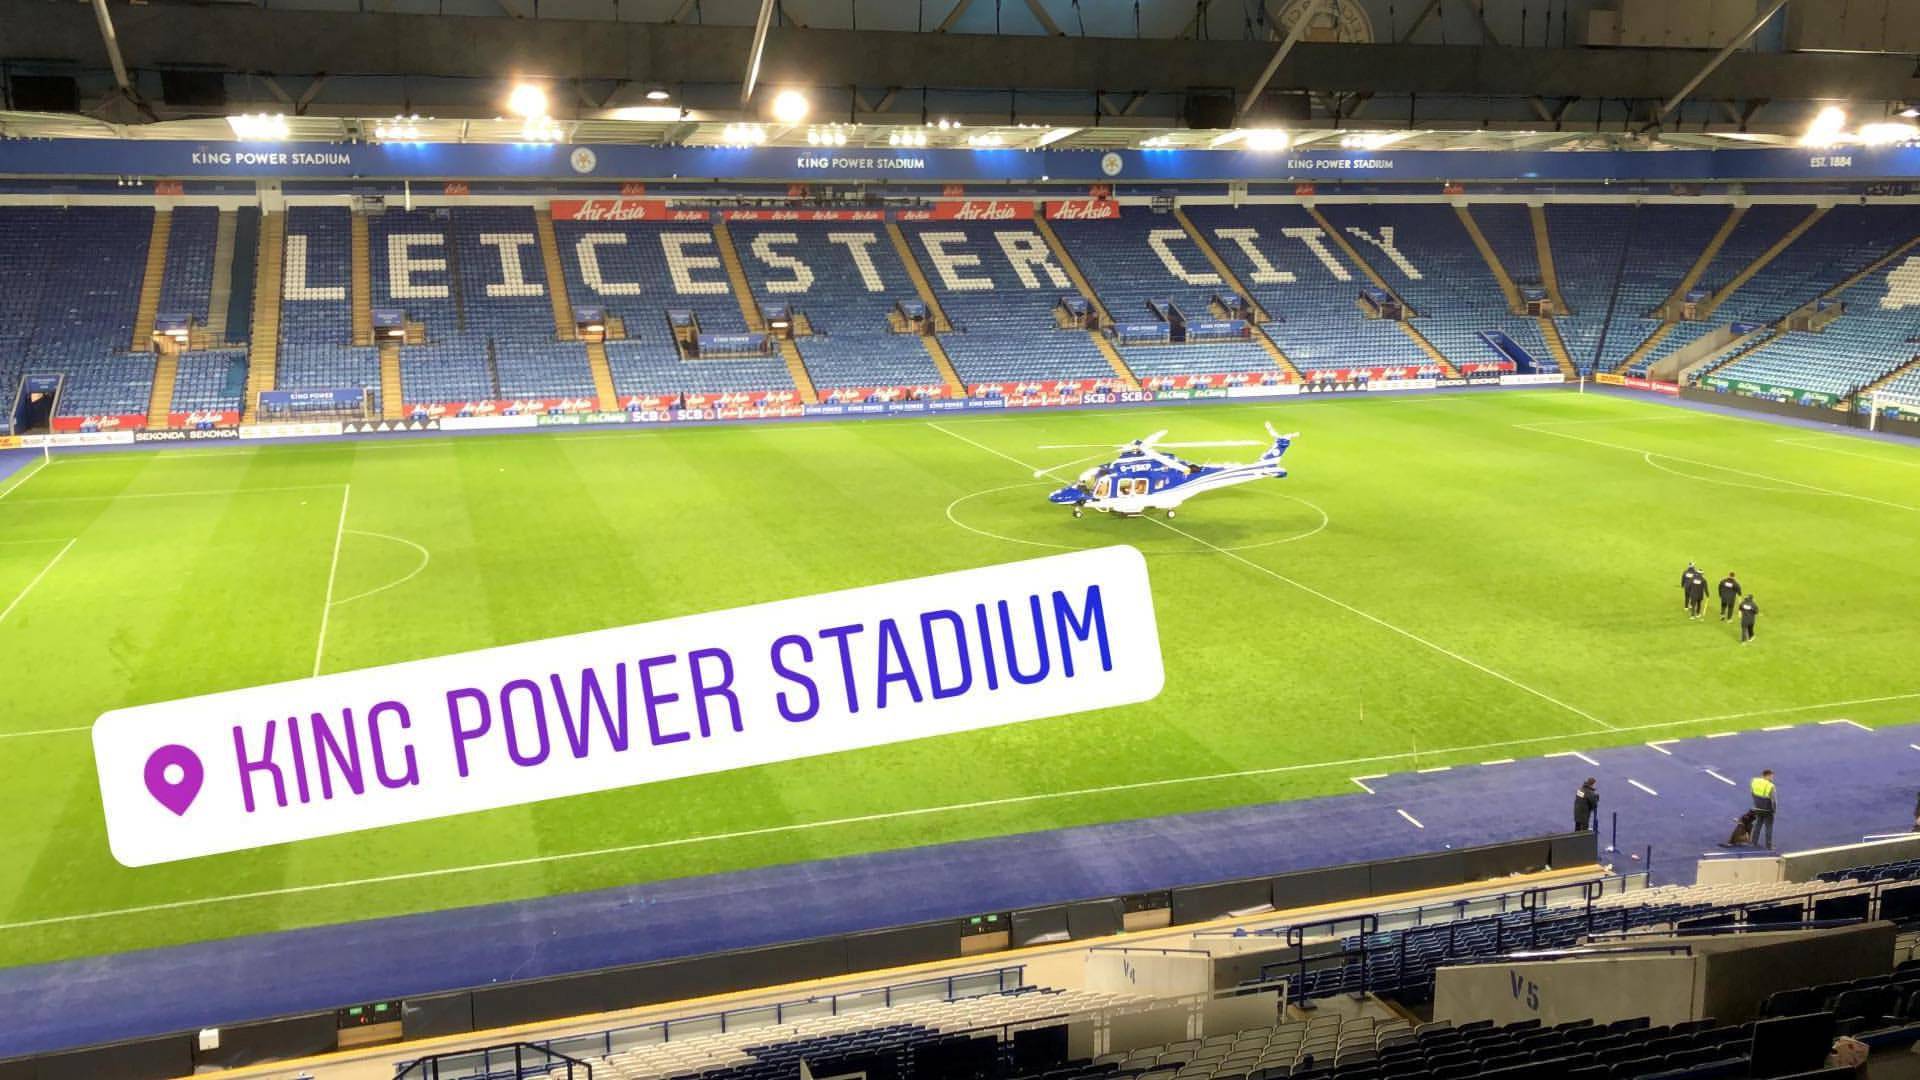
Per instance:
(1144,478)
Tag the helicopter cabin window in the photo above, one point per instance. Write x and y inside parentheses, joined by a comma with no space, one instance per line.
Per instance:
(1100,488)
(1134,485)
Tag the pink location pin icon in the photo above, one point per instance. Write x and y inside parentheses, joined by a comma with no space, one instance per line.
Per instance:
(173,777)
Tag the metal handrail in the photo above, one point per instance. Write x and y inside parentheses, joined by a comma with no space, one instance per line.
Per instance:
(1591,889)
(953,988)
(429,1067)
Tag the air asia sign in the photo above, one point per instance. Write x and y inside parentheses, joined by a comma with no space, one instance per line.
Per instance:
(621,210)
(972,210)
(633,705)
(804,215)
(1083,210)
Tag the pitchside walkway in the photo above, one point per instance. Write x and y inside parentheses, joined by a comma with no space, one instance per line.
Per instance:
(1837,782)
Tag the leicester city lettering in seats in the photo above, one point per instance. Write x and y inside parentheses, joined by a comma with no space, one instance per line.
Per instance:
(616,708)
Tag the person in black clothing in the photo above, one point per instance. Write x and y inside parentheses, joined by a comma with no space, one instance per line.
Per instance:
(1729,595)
(1586,807)
(1749,610)
(1686,587)
(1696,594)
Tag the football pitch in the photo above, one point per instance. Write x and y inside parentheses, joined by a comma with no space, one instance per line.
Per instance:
(1444,578)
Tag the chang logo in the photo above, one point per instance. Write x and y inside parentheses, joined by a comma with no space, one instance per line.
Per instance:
(1111,163)
(583,160)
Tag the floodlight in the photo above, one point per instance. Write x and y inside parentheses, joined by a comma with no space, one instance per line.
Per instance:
(790,106)
(1888,132)
(658,94)
(527,100)
(1827,127)
(1268,139)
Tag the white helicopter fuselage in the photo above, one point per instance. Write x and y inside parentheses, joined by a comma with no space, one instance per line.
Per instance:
(1143,478)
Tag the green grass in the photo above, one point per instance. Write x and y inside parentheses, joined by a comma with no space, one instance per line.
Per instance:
(1550,560)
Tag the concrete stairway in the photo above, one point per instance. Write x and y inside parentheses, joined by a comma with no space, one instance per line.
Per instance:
(564,326)
(264,352)
(737,274)
(1557,348)
(602,377)
(392,390)
(1515,304)
(221,296)
(1080,283)
(797,368)
(1406,327)
(166,372)
(1543,251)
(360,274)
(150,279)
(901,248)
(944,364)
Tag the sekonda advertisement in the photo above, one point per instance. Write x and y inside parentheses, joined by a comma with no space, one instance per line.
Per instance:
(621,209)
(972,210)
(1083,210)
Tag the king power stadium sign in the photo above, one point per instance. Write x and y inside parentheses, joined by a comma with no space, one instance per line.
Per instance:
(613,161)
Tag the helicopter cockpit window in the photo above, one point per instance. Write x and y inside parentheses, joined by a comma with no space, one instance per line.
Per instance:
(1100,487)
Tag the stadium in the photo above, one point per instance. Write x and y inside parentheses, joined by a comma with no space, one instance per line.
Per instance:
(959,539)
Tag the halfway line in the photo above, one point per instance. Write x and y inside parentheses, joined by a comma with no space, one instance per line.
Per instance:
(333,571)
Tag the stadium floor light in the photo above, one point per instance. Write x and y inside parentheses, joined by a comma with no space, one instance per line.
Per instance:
(791,106)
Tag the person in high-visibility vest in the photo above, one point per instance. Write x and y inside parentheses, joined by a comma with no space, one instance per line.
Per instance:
(1764,804)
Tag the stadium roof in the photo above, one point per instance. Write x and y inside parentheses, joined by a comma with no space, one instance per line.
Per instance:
(1495,74)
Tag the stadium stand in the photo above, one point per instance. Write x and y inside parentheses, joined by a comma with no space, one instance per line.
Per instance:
(1589,253)
(1306,287)
(1444,278)
(845,280)
(313,300)
(1138,262)
(69,285)
(187,287)
(1667,240)
(639,271)
(1508,228)
(213,381)
(1845,241)
(1871,338)
(999,286)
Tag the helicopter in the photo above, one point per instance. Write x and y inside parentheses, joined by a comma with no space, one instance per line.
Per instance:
(1146,478)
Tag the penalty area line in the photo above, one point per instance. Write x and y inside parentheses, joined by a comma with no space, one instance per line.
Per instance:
(803,826)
